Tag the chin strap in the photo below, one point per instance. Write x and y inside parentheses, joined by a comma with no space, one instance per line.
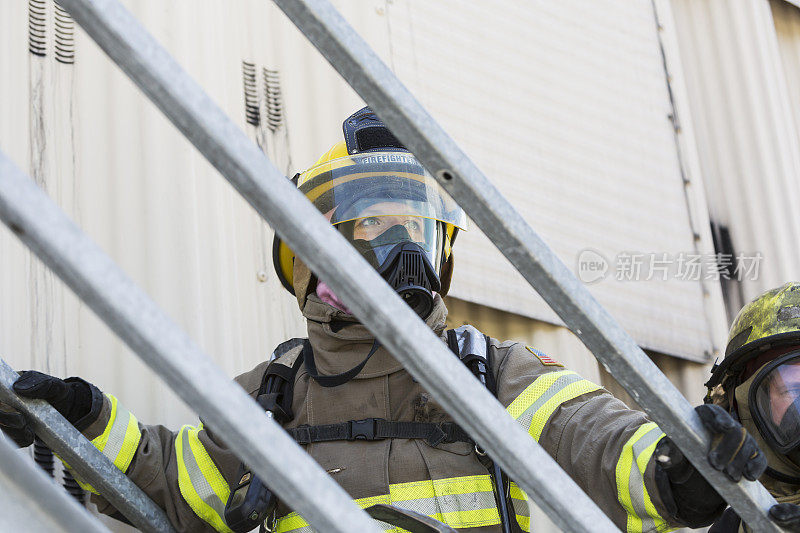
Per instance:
(336,379)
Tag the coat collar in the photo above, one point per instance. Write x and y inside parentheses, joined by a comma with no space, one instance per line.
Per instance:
(341,342)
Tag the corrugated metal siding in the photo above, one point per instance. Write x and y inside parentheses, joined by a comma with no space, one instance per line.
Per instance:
(565,106)
(747,137)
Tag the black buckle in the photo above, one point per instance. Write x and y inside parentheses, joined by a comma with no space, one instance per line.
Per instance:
(363,429)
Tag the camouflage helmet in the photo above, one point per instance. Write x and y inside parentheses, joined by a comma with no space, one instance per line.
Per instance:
(769,321)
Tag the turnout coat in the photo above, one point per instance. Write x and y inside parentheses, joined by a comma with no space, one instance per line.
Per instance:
(604,446)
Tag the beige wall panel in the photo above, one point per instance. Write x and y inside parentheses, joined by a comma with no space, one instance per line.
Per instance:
(566,109)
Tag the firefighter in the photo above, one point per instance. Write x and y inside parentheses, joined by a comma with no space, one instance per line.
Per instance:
(365,420)
(758,382)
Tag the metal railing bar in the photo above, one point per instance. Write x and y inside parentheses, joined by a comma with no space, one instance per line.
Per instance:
(28,497)
(619,354)
(91,465)
(334,260)
(235,417)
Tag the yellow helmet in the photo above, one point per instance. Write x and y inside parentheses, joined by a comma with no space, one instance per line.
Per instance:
(380,197)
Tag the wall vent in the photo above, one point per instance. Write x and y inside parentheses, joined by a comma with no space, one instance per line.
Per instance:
(37,27)
(274,98)
(251,110)
(65,36)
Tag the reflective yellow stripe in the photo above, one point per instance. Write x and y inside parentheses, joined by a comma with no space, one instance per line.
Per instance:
(199,480)
(537,403)
(459,502)
(295,522)
(121,436)
(521,506)
(631,490)
(119,439)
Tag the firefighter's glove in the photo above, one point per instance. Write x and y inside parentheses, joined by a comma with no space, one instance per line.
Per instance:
(786,515)
(15,426)
(685,492)
(77,401)
(733,451)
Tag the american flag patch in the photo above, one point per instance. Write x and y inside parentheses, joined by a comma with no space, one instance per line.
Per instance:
(546,360)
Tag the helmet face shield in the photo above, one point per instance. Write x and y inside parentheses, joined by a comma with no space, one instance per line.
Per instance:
(775,402)
(344,188)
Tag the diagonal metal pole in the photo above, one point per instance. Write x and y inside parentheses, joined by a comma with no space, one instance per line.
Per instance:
(32,501)
(235,417)
(512,235)
(328,254)
(90,464)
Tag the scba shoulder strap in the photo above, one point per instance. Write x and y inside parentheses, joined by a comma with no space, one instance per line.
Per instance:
(277,386)
(472,347)
(277,389)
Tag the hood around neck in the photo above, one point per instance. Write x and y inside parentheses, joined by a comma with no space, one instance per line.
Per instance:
(341,342)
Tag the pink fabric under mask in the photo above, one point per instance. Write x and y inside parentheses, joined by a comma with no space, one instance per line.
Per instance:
(326,295)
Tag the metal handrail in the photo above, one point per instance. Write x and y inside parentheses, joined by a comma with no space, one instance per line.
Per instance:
(366,73)
(91,465)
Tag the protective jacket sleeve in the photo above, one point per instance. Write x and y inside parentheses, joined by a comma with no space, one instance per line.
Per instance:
(188,472)
(604,446)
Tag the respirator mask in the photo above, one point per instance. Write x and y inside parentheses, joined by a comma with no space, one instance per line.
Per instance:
(774,401)
(405,250)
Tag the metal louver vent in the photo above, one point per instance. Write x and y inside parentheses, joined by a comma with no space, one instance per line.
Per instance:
(250,94)
(65,36)
(274,98)
(37,27)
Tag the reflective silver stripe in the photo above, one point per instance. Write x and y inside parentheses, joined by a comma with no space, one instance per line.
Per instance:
(521,507)
(526,418)
(519,502)
(116,437)
(451,503)
(636,480)
(198,480)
